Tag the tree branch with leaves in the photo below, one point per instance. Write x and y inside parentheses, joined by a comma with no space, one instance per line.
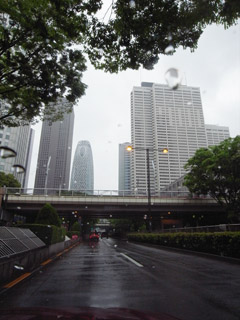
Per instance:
(216,171)
(44,45)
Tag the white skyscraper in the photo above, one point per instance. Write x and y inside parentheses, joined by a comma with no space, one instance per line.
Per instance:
(216,134)
(164,118)
(124,168)
(82,177)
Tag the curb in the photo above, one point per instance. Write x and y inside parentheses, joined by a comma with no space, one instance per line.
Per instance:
(8,286)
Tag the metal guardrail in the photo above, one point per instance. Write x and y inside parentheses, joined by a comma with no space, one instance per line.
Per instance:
(213,228)
(17,240)
(101,193)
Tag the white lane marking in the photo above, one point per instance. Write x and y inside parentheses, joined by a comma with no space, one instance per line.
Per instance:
(97,254)
(132,260)
(107,243)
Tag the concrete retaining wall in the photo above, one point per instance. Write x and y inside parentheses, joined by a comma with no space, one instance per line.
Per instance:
(14,266)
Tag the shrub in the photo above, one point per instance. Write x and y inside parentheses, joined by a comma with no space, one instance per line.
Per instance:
(76,227)
(48,234)
(220,243)
(48,215)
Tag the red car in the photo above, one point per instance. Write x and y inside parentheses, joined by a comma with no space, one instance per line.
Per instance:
(94,236)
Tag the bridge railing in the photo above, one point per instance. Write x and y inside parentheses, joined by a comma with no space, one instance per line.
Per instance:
(100,193)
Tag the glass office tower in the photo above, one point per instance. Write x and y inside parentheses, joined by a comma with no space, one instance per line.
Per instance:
(54,157)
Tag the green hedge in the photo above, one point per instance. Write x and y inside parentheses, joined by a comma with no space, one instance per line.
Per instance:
(71,233)
(48,234)
(220,243)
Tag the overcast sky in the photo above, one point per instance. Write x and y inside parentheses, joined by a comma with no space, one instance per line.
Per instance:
(102,116)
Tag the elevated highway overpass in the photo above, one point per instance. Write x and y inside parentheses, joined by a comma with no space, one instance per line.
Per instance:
(110,205)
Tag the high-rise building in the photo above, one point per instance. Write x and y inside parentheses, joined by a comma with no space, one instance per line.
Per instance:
(124,185)
(54,156)
(19,139)
(82,177)
(216,134)
(164,118)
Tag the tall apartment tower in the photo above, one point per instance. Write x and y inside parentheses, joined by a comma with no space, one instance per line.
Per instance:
(54,156)
(164,118)
(124,169)
(19,139)
(28,158)
(216,134)
(82,177)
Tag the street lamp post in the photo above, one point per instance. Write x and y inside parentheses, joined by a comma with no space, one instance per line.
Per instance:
(46,178)
(164,150)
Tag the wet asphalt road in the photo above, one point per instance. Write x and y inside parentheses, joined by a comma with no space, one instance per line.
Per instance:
(114,273)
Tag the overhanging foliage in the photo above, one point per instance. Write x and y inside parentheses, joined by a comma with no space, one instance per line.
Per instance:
(44,45)
(216,171)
